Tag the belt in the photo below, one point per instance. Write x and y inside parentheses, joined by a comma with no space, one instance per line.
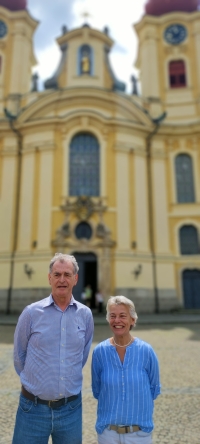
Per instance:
(54,404)
(124,429)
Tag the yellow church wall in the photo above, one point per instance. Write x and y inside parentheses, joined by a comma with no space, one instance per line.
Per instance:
(161,227)
(35,201)
(124,276)
(7,201)
(110,176)
(45,200)
(122,201)
(26,202)
(58,167)
(196,46)
(132,197)
(165,275)
(39,278)
(141,206)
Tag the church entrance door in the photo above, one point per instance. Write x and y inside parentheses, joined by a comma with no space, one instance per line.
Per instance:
(191,288)
(87,275)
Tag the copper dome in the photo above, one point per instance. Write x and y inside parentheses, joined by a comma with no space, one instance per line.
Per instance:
(159,7)
(13,5)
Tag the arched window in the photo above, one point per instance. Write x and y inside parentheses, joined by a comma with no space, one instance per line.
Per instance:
(184,179)
(85,60)
(177,74)
(84,166)
(189,243)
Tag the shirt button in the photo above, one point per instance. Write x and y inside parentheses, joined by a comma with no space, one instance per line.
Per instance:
(62,360)
(63,329)
(60,394)
(62,379)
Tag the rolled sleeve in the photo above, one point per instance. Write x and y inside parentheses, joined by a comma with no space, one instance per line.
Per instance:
(154,374)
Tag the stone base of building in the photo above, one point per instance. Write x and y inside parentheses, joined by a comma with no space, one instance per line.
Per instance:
(144,299)
(21,298)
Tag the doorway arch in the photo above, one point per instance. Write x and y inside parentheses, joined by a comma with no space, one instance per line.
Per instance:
(87,275)
(191,288)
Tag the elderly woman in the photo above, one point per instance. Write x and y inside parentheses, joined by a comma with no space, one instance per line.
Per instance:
(125,380)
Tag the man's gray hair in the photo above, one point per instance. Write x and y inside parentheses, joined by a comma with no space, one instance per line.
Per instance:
(117,300)
(60,257)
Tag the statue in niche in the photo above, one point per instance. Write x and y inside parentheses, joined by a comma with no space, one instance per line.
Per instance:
(85,60)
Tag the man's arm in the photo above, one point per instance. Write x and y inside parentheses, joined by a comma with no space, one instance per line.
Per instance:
(21,338)
(88,336)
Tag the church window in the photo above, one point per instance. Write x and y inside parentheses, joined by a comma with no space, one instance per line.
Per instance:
(189,243)
(84,166)
(85,60)
(184,179)
(177,74)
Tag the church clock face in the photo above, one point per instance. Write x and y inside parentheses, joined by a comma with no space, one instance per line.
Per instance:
(175,34)
(3,29)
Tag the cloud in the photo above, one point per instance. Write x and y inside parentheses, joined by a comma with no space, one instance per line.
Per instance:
(52,16)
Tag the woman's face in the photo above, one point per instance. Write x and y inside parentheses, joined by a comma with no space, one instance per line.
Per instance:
(120,320)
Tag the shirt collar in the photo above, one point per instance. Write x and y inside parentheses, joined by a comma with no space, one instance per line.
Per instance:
(50,301)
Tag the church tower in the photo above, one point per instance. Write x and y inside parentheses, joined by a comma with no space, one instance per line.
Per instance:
(169,58)
(16,52)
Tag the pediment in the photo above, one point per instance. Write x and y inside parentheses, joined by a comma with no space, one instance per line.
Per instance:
(109,107)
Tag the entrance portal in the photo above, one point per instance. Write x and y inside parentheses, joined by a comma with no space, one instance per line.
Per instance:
(191,288)
(87,275)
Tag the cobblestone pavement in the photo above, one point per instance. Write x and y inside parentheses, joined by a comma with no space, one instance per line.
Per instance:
(177,411)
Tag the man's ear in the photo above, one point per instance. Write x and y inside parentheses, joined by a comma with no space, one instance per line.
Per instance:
(76,279)
(49,278)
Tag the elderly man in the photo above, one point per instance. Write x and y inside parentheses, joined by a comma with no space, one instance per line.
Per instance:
(51,345)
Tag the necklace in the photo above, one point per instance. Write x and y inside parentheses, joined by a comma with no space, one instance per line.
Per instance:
(122,345)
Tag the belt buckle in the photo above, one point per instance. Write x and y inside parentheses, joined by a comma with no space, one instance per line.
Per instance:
(52,400)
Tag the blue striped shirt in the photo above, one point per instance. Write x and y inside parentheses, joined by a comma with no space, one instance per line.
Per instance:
(51,346)
(125,391)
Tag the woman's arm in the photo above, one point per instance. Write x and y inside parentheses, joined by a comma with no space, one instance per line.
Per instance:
(154,374)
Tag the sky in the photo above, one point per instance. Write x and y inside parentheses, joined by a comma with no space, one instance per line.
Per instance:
(118,15)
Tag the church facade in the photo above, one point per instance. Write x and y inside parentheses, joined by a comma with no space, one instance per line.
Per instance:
(89,170)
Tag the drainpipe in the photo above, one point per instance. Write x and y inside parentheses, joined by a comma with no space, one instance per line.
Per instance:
(157,123)
(17,206)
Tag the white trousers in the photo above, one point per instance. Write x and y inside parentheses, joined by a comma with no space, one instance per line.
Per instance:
(112,437)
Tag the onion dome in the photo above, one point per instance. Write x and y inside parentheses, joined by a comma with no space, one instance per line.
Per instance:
(13,5)
(160,7)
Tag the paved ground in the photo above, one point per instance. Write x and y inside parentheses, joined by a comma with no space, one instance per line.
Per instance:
(177,411)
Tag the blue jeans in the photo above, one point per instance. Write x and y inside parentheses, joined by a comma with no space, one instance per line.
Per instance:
(35,423)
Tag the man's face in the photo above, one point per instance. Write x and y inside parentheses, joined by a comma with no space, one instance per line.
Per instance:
(62,279)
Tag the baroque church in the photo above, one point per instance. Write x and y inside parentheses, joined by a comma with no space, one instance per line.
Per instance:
(89,170)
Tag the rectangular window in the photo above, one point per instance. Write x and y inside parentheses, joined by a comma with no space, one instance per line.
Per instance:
(177,74)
